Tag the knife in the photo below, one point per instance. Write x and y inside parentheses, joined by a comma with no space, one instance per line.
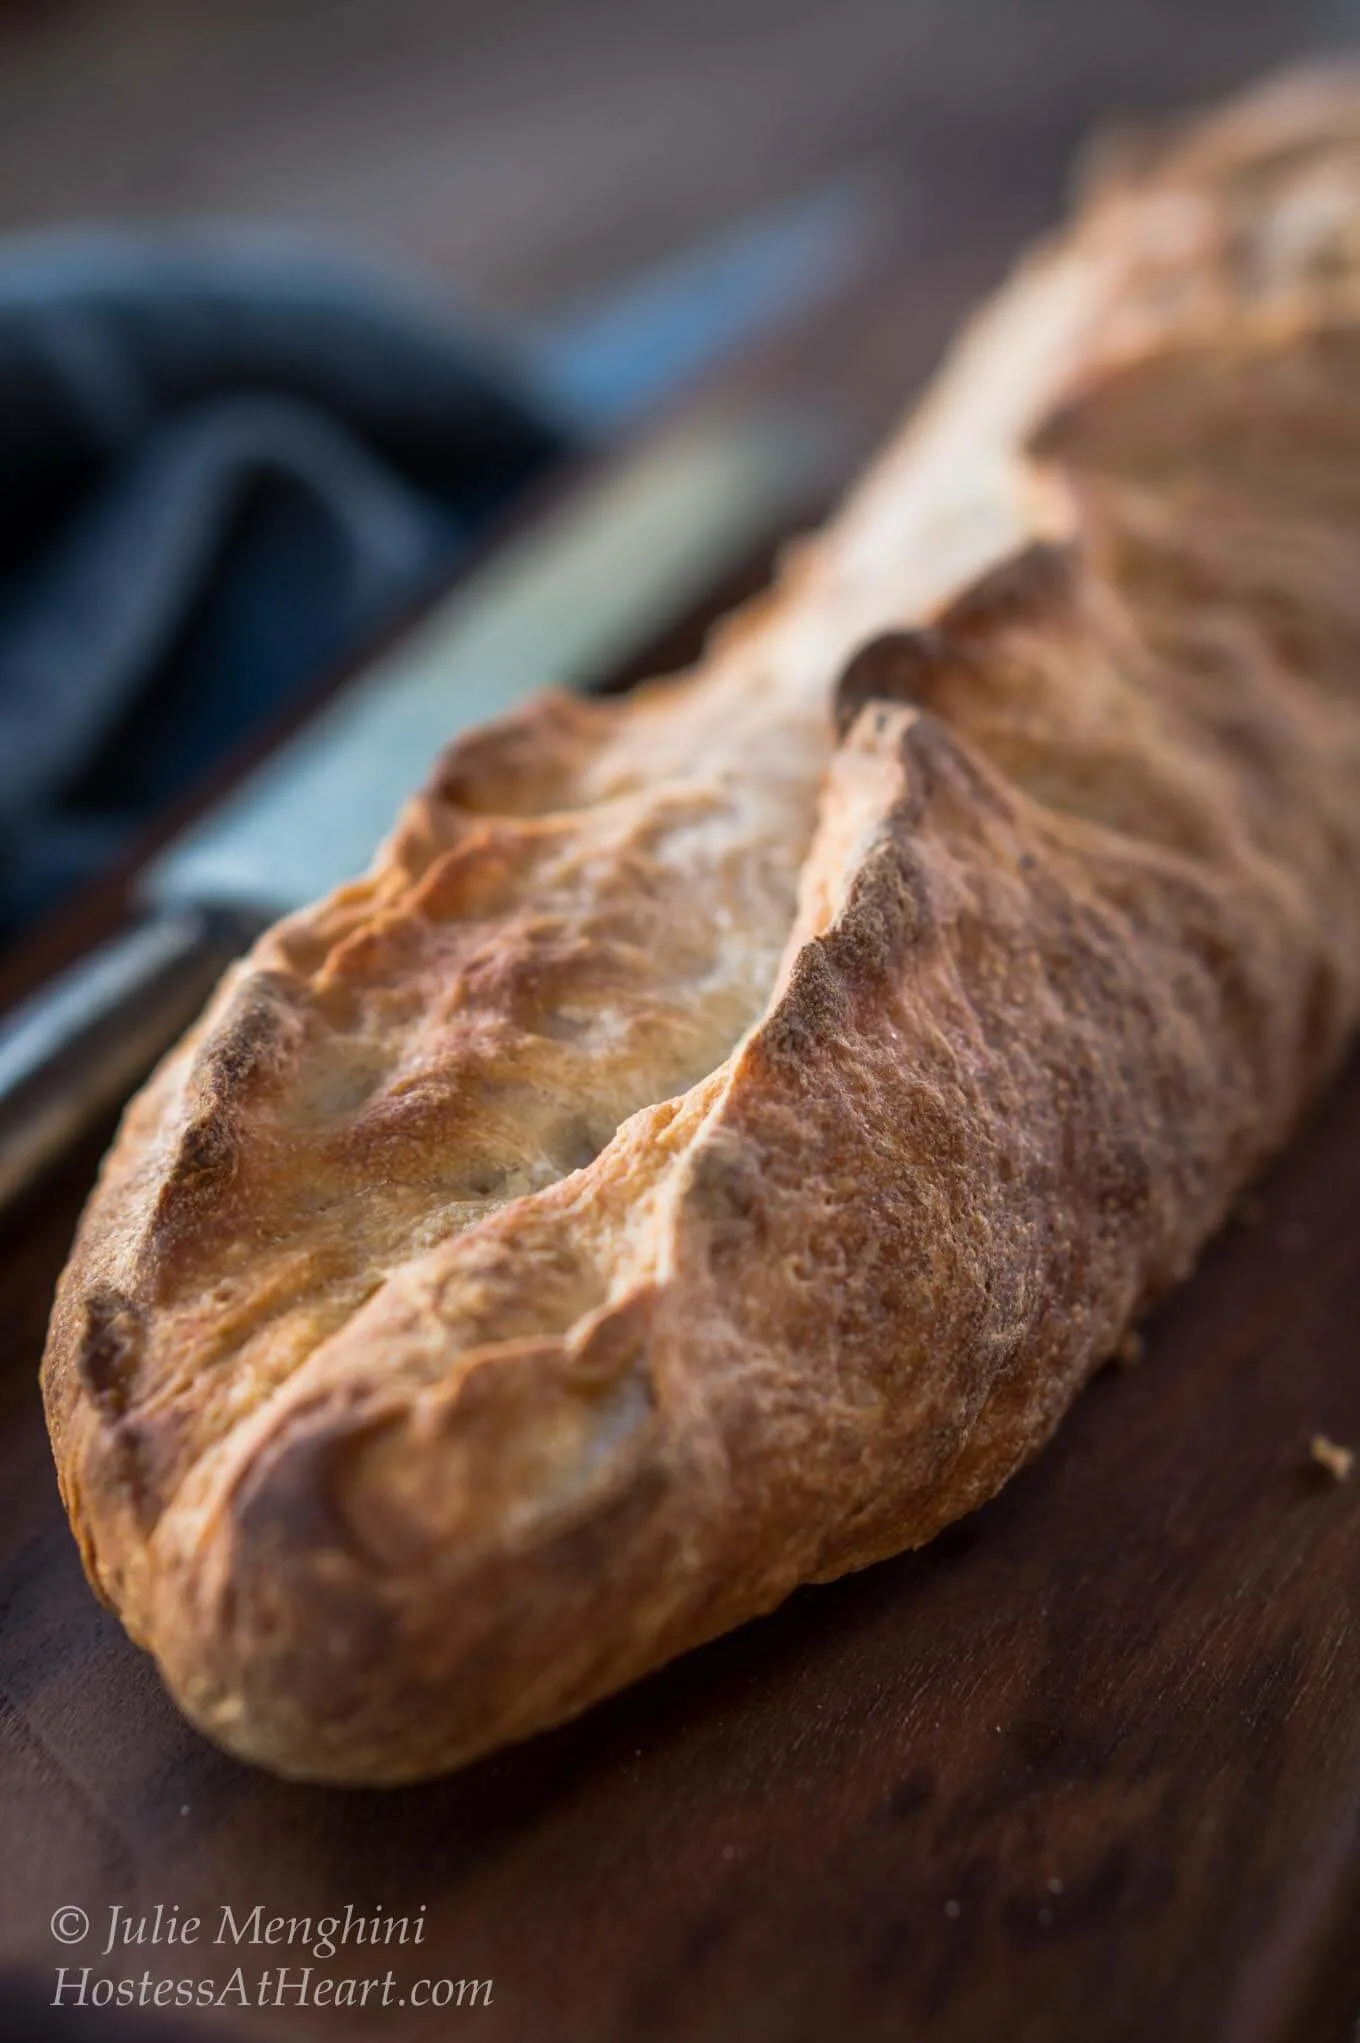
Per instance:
(607,364)
(568,601)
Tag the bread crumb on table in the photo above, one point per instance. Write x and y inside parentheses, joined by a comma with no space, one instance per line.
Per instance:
(1338,1461)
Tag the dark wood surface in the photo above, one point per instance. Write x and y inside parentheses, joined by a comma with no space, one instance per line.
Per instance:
(1136,1674)
(528,150)
(1087,1769)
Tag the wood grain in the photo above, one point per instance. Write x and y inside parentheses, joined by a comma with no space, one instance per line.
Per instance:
(1136,1674)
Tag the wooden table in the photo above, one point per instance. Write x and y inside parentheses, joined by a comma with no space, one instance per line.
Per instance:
(1086,1769)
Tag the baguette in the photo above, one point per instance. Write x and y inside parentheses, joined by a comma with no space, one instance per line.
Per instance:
(715,1142)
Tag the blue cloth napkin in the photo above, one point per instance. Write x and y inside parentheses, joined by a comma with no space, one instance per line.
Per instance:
(226,461)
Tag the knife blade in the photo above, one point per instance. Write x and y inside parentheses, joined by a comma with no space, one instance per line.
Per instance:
(567,601)
(609,363)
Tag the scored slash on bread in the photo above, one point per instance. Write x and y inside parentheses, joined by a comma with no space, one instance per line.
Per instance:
(713,1145)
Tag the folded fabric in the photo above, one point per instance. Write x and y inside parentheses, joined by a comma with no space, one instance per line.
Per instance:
(227,458)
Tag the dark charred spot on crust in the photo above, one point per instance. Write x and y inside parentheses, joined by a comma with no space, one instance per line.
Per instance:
(814,1005)
(206,1159)
(108,1353)
(204,1165)
(249,1049)
(896,667)
(248,1046)
(110,1348)
(889,911)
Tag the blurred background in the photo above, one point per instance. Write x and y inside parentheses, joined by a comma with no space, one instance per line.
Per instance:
(527,150)
(518,158)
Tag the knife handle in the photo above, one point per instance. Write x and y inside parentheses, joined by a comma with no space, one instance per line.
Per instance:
(74,1050)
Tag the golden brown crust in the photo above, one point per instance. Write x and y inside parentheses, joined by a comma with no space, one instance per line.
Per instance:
(714,1144)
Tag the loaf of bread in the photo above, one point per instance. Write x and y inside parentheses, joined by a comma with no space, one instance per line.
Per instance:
(718,1138)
